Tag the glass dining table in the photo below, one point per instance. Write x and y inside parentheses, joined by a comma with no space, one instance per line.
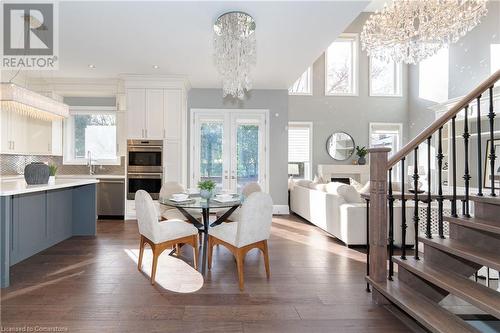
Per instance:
(195,203)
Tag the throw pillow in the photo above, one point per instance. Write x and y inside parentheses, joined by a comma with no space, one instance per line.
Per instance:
(333,187)
(350,194)
(365,189)
(357,185)
(303,182)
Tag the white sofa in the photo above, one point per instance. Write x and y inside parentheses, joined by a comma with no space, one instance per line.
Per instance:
(342,216)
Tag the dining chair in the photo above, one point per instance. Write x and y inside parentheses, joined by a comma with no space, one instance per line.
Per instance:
(245,192)
(251,231)
(161,235)
(169,213)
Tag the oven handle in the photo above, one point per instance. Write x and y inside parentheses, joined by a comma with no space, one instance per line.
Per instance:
(147,149)
(144,175)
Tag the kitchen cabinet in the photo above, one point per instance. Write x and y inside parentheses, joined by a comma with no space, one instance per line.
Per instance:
(155,110)
(25,135)
(136,113)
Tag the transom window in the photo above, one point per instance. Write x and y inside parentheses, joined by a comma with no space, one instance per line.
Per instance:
(341,66)
(303,85)
(385,78)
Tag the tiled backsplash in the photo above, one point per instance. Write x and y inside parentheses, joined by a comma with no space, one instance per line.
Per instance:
(11,165)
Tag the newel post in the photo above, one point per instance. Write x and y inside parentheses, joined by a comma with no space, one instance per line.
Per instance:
(378,213)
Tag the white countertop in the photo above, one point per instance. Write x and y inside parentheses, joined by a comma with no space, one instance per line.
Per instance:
(19,186)
(86,176)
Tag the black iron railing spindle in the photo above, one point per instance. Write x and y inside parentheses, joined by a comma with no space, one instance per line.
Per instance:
(479,158)
(415,199)
(403,211)
(428,233)
(466,177)
(391,226)
(454,167)
(492,156)
(440,197)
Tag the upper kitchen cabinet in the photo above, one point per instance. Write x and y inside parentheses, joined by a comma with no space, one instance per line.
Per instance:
(136,113)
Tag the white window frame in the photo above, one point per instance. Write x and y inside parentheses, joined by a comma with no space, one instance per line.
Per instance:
(311,138)
(69,131)
(396,169)
(354,38)
(398,80)
(310,84)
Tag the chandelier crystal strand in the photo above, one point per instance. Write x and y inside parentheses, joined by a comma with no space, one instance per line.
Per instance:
(410,31)
(235,52)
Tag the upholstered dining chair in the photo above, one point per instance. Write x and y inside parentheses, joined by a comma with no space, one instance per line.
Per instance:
(161,235)
(251,231)
(169,213)
(245,192)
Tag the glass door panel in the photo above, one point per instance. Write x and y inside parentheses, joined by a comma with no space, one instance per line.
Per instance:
(211,152)
(247,155)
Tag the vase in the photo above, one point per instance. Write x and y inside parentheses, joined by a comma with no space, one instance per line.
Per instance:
(52,180)
(362,160)
(205,194)
(36,173)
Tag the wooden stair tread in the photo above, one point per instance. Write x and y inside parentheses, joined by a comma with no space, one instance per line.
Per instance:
(429,314)
(485,298)
(465,251)
(475,223)
(486,198)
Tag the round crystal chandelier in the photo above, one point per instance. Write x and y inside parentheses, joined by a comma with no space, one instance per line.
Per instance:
(410,31)
(235,52)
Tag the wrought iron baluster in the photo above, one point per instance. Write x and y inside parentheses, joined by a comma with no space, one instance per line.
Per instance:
(367,242)
(391,226)
(403,211)
(428,233)
(492,156)
(440,197)
(454,167)
(415,199)
(479,158)
(466,177)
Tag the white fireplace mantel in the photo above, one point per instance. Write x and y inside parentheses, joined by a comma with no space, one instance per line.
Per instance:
(360,173)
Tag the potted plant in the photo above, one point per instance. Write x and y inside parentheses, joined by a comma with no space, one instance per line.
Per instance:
(206,188)
(361,152)
(52,173)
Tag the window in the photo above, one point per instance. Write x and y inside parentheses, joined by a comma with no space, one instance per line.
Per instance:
(91,131)
(299,150)
(389,135)
(341,65)
(385,78)
(433,77)
(303,85)
(494,58)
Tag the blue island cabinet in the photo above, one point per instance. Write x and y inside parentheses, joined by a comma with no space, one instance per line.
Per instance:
(33,222)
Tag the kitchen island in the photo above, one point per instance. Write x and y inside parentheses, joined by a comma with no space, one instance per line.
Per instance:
(36,217)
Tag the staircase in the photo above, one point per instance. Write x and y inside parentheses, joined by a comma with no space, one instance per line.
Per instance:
(440,265)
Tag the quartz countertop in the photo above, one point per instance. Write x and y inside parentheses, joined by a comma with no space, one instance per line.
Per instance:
(75,176)
(19,186)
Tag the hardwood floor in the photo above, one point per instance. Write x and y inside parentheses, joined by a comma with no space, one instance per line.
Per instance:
(91,284)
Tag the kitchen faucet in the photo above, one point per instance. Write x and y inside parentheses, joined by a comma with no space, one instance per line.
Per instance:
(89,163)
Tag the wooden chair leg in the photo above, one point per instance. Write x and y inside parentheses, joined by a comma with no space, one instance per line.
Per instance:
(156,254)
(210,249)
(177,249)
(239,264)
(195,251)
(141,253)
(265,252)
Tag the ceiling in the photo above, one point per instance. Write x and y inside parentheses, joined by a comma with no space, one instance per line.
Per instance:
(130,37)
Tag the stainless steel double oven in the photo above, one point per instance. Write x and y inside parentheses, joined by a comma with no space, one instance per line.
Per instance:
(144,167)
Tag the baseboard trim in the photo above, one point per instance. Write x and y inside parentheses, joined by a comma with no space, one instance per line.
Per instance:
(281,210)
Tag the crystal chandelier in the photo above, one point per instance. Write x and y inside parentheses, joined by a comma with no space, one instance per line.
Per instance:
(412,30)
(235,52)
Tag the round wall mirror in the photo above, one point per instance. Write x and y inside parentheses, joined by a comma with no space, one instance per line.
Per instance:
(340,146)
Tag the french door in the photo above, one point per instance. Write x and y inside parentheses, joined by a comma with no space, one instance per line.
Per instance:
(229,147)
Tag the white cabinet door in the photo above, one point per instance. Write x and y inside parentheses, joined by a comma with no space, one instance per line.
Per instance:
(6,144)
(57,137)
(154,113)
(136,111)
(39,137)
(173,114)
(18,133)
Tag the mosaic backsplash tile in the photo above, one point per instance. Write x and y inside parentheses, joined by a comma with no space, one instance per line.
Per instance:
(11,165)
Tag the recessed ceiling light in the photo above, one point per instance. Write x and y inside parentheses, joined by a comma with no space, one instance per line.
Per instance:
(91,66)
(156,66)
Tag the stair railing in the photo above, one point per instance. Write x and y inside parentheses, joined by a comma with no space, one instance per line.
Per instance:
(383,196)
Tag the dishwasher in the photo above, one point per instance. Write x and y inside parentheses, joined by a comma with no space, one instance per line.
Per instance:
(111,198)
